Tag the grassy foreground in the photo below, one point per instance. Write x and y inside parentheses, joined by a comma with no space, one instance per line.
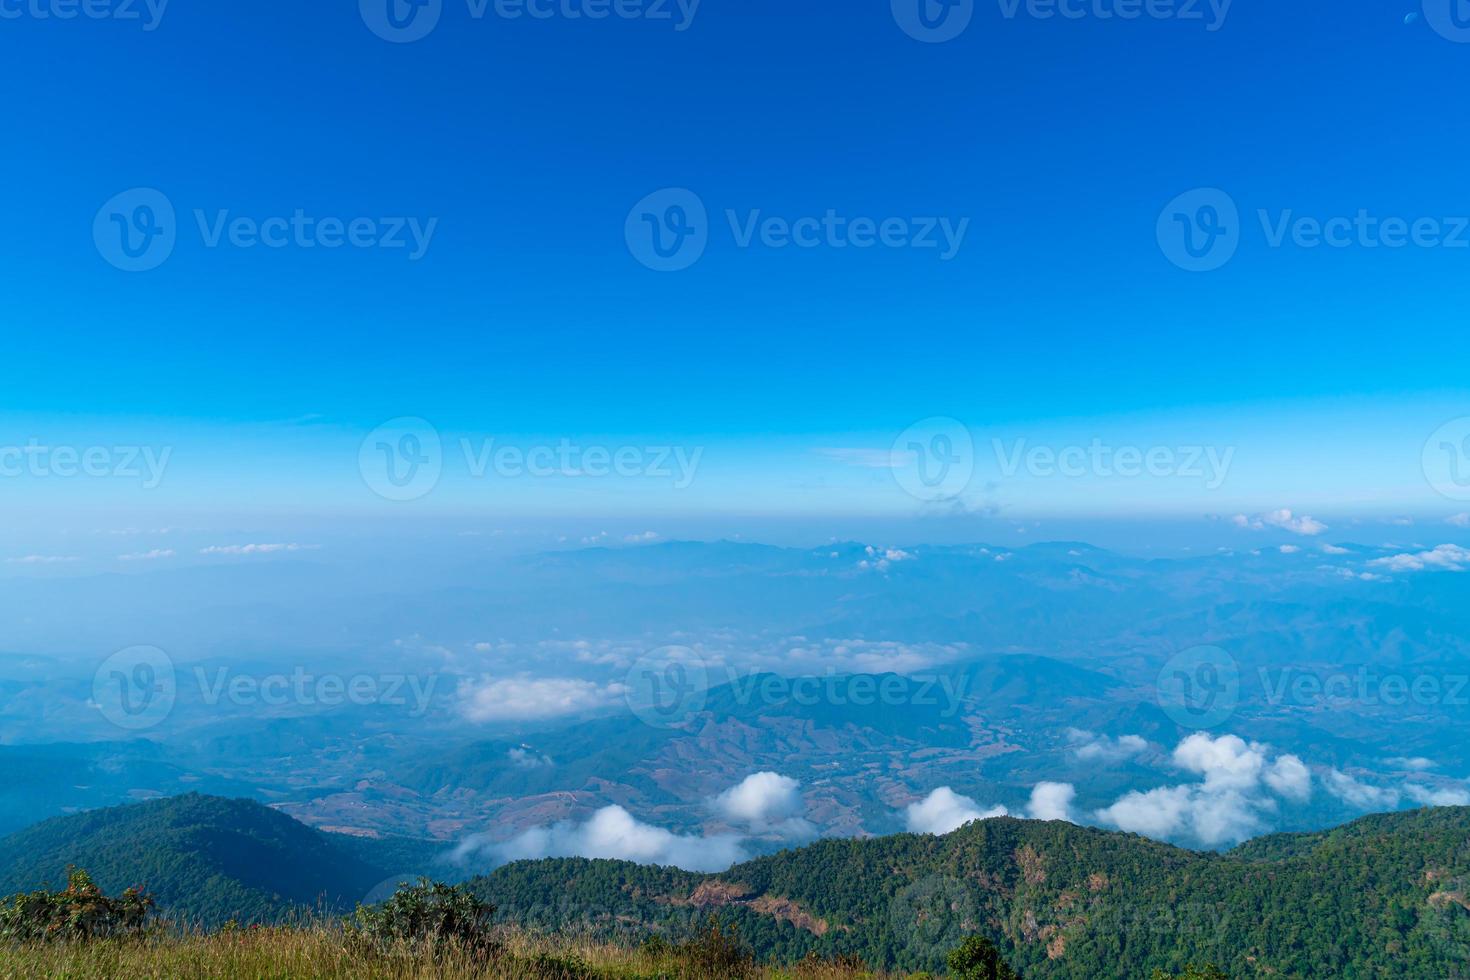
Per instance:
(324,953)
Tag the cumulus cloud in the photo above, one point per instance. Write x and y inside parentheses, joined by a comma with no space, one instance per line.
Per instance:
(1459,520)
(528,698)
(1289,777)
(1051,801)
(1447,557)
(1437,796)
(1332,549)
(1089,747)
(255,549)
(1283,520)
(1229,804)
(944,810)
(766,802)
(1359,794)
(614,833)
(525,757)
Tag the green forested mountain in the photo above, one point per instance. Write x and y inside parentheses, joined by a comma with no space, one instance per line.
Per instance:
(1386,896)
(205,859)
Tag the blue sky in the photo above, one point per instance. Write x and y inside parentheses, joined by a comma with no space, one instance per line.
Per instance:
(525,142)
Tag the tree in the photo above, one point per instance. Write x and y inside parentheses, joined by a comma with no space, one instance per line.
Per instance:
(978,959)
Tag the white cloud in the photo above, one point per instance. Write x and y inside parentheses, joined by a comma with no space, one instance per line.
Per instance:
(1089,747)
(881,558)
(1051,801)
(1283,520)
(612,833)
(527,698)
(766,802)
(1289,777)
(1332,549)
(1447,557)
(1229,805)
(944,810)
(524,757)
(1459,520)
(1442,796)
(1359,794)
(40,560)
(153,555)
(1417,763)
(255,549)
(645,538)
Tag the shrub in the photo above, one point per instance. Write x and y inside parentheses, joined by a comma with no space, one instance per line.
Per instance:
(717,952)
(426,914)
(77,913)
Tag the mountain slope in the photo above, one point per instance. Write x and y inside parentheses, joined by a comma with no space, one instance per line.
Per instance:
(204,858)
(1387,896)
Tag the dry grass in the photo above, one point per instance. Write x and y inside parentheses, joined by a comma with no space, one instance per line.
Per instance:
(324,953)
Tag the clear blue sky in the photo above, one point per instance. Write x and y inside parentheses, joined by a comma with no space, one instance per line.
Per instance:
(529,140)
